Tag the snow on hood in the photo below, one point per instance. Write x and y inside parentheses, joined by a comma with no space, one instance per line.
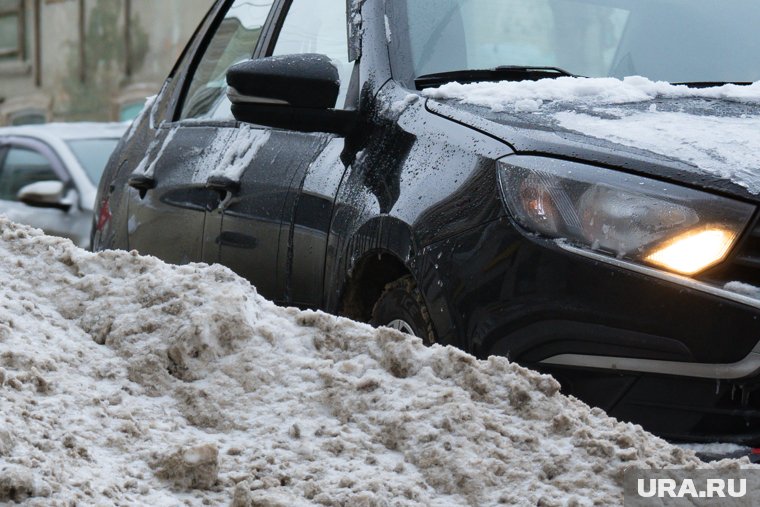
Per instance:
(124,380)
(531,95)
(727,147)
(719,140)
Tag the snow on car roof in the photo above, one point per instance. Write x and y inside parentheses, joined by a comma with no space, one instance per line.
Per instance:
(69,131)
(154,384)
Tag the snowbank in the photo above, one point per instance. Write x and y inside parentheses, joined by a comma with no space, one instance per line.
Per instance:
(126,380)
(530,95)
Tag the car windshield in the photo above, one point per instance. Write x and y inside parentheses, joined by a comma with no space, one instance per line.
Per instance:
(680,41)
(93,155)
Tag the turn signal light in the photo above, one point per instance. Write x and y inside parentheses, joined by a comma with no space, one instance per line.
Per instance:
(693,251)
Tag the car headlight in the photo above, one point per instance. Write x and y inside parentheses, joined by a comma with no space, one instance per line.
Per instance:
(630,217)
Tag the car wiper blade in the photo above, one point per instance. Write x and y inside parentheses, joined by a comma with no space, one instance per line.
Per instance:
(711,84)
(504,73)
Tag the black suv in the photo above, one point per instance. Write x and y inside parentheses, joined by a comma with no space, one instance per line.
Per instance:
(296,142)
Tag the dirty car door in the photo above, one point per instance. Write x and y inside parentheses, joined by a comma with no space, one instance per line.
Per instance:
(274,225)
(172,194)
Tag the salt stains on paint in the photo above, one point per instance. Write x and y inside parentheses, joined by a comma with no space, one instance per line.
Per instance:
(240,152)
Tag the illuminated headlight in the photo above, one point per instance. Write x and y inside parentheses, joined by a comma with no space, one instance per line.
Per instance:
(629,217)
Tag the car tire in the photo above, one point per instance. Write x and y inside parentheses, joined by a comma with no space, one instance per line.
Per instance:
(401,307)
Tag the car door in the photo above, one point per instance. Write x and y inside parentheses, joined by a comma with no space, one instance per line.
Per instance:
(171,197)
(274,222)
(26,161)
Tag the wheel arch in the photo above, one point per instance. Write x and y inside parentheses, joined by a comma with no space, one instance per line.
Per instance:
(380,252)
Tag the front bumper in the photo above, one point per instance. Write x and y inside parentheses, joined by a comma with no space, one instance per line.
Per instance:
(680,358)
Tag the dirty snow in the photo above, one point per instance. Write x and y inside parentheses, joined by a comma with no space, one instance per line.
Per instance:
(531,95)
(727,147)
(239,152)
(744,289)
(715,448)
(124,380)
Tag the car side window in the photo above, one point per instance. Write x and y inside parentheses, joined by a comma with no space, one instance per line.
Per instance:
(23,167)
(318,26)
(234,41)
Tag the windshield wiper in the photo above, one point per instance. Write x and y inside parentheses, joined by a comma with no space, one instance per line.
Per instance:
(711,84)
(505,73)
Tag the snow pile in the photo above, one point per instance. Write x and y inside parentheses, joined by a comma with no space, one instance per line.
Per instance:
(744,289)
(124,380)
(531,95)
(727,147)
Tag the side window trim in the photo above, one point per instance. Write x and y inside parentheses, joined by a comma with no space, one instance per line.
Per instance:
(3,153)
(274,28)
(192,41)
(201,48)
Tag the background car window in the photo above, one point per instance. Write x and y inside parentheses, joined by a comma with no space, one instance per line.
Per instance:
(22,167)
(93,154)
(318,26)
(234,41)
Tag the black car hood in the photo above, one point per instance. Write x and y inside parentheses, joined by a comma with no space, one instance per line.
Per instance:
(579,132)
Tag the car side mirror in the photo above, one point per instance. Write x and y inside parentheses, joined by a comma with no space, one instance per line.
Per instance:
(44,194)
(293,92)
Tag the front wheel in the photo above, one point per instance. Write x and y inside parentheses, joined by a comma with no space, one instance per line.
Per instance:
(401,307)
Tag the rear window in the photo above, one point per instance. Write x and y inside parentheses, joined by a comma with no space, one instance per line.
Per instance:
(93,155)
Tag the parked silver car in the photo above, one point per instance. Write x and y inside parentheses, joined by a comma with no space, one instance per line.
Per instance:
(49,174)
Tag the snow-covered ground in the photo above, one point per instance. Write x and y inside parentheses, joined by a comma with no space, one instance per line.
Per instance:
(124,380)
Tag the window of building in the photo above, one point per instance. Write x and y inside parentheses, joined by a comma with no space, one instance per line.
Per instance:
(28,117)
(11,29)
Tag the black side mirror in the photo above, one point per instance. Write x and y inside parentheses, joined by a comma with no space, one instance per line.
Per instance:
(293,92)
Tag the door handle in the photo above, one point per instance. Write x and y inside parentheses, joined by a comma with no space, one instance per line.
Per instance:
(225,187)
(142,183)
(223,184)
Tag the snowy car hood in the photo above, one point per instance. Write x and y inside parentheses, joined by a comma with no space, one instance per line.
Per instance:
(708,138)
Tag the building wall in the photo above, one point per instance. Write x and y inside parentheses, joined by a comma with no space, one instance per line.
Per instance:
(81,60)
